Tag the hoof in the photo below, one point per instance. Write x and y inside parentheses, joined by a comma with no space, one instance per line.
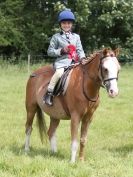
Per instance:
(26,153)
(81,159)
(27,150)
(53,152)
(72,161)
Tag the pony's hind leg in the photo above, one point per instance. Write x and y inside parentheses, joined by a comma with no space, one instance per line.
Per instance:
(30,116)
(51,133)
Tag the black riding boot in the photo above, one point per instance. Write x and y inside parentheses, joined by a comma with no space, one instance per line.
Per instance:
(48,98)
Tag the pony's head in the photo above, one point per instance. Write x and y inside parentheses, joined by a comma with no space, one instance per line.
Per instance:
(109,69)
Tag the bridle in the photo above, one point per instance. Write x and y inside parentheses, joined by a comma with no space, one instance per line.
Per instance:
(101,79)
(104,81)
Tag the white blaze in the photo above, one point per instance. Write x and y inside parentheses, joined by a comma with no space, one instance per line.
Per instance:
(111,64)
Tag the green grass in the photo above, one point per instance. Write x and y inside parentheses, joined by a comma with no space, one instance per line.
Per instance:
(109,150)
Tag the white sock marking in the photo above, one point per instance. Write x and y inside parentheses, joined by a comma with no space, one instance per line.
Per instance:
(74,148)
(27,141)
(53,143)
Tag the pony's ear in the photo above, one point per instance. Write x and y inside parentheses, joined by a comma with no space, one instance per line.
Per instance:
(106,51)
(116,52)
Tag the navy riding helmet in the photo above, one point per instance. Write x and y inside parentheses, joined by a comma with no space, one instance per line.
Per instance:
(66,15)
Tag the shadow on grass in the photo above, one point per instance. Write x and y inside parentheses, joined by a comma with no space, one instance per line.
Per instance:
(19,151)
(122,150)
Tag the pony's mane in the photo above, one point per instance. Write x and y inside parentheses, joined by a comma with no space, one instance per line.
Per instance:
(91,56)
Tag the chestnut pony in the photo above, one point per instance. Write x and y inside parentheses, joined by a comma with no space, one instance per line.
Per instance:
(79,102)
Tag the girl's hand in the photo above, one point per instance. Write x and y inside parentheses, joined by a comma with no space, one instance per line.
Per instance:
(65,50)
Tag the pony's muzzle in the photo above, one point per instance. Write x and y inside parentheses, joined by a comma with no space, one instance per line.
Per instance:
(112,89)
(112,93)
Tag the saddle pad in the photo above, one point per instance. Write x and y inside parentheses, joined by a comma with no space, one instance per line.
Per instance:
(63,82)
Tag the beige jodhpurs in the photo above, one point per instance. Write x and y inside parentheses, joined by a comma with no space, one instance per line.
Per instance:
(57,75)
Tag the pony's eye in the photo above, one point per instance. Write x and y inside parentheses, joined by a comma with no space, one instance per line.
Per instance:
(105,70)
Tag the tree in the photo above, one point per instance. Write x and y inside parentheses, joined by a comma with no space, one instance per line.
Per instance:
(28,24)
(10,24)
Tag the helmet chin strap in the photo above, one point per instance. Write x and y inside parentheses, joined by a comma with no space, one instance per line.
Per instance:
(66,31)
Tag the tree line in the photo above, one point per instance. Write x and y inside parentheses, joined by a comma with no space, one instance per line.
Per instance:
(26,26)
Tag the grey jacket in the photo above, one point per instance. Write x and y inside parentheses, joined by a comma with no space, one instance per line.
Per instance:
(59,41)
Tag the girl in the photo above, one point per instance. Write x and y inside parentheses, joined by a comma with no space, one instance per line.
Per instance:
(66,47)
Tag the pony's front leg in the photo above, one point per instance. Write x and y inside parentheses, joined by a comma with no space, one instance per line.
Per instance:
(83,138)
(74,137)
(51,133)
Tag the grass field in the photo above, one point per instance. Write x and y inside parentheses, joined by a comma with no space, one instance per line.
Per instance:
(109,151)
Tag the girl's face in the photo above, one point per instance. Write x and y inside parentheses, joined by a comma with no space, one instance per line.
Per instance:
(66,25)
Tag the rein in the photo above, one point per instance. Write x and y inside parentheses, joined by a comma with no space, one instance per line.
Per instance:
(84,72)
(85,94)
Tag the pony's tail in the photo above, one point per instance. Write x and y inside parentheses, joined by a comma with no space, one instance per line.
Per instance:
(41,125)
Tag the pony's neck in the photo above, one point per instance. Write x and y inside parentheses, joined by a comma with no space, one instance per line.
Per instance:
(91,79)
(92,67)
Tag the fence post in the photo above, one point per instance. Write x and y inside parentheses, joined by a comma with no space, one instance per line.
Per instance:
(29,57)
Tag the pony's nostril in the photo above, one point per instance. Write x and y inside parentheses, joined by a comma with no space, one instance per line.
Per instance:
(111,91)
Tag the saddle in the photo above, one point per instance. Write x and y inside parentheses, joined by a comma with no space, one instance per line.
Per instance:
(62,84)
